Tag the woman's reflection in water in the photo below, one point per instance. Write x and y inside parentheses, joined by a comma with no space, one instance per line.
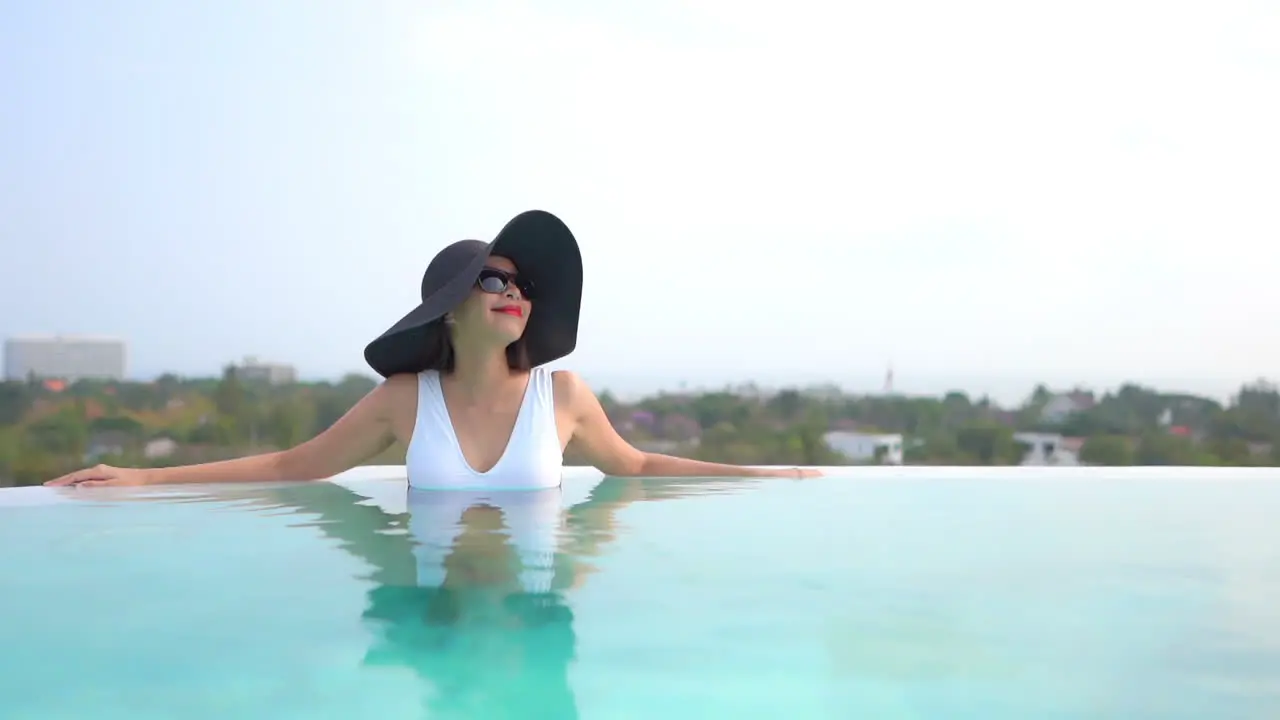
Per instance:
(468,588)
(483,617)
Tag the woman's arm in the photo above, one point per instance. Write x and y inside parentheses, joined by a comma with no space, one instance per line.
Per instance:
(364,431)
(613,455)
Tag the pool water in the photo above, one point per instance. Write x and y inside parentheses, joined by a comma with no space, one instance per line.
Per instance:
(907,593)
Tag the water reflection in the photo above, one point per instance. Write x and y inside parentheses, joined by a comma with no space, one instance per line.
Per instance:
(467,589)
(834,599)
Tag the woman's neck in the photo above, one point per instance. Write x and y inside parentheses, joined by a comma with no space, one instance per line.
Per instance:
(479,370)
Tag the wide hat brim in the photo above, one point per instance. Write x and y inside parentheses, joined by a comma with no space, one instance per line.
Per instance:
(544,251)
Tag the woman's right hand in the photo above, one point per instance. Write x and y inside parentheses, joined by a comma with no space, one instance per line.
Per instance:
(100,475)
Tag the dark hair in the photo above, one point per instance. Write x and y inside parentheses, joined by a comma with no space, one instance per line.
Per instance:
(438,350)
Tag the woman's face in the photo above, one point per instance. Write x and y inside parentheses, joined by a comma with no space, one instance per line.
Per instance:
(497,306)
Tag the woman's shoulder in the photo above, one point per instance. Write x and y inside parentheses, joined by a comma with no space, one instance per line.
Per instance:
(567,379)
(404,380)
(570,389)
(400,385)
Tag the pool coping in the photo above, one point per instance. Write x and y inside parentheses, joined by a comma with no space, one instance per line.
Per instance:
(39,495)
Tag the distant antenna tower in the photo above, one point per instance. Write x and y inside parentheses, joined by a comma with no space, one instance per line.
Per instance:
(888,381)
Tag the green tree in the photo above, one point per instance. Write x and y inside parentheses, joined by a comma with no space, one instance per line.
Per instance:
(714,408)
(1253,416)
(9,451)
(218,431)
(1230,451)
(229,397)
(937,447)
(328,409)
(15,401)
(989,444)
(236,412)
(287,424)
(35,465)
(813,446)
(1110,450)
(117,423)
(787,404)
(64,433)
(1093,422)
(608,401)
(1157,448)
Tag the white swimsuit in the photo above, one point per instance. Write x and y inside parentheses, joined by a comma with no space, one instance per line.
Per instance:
(524,485)
(532,460)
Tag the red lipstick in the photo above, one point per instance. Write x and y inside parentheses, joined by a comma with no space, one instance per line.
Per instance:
(513,310)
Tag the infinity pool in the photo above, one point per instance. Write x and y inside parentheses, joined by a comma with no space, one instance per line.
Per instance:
(877,593)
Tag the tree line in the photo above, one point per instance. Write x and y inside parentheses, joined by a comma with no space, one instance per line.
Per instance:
(47,429)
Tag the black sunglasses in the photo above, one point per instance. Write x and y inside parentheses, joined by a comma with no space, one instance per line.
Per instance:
(493,280)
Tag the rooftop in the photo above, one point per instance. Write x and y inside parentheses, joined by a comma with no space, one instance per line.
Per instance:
(64,338)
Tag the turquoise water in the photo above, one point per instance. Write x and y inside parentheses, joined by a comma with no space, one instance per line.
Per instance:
(884,597)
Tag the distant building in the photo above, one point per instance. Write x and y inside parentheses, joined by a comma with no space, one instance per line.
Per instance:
(161,447)
(255,370)
(1063,405)
(67,358)
(1049,448)
(885,448)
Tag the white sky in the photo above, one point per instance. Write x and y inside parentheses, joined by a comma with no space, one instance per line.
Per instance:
(983,194)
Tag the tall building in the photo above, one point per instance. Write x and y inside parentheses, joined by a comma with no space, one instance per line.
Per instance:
(69,358)
(255,370)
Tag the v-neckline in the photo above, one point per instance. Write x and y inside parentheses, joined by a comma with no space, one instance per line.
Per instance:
(453,430)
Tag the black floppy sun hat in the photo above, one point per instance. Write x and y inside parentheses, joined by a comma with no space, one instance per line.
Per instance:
(544,252)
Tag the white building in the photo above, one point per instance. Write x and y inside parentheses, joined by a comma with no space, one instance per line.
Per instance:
(1063,405)
(866,447)
(255,370)
(1049,449)
(68,358)
(161,447)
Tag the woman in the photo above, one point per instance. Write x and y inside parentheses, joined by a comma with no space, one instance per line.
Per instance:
(465,385)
